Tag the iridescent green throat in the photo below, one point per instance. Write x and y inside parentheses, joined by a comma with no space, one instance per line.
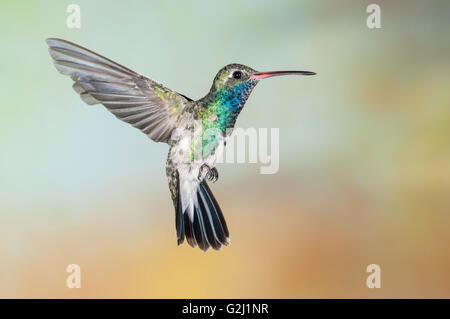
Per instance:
(221,108)
(218,112)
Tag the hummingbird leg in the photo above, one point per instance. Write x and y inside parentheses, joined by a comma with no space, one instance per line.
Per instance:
(212,174)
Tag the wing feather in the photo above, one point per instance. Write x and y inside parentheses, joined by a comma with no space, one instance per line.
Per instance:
(130,96)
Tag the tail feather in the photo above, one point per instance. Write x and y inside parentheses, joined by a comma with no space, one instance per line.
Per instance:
(189,231)
(209,223)
(199,230)
(179,222)
(208,227)
(216,216)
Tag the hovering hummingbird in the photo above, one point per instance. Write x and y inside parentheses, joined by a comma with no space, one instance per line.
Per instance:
(173,118)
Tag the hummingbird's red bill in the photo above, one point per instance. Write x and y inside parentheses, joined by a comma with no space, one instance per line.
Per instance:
(264,75)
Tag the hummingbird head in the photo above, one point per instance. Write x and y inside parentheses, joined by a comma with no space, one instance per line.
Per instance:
(232,87)
(234,83)
(231,76)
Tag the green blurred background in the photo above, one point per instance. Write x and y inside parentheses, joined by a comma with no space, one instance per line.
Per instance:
(364,152)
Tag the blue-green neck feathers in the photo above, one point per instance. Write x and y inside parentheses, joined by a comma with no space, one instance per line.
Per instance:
(225,103)
(235,97)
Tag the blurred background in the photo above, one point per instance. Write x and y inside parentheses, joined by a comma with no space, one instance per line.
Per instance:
(364,152)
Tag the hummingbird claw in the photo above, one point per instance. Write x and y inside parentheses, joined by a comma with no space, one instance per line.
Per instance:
(215,175)
(212,174)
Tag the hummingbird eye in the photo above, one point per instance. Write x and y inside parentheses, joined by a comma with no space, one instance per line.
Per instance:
(237,74)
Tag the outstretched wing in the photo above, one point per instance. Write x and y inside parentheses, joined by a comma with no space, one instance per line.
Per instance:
(130,96)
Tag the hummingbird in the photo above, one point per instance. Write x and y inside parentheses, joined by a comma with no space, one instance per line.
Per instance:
(195,130)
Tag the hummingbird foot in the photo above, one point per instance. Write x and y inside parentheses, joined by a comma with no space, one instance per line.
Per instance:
(215,174)
(212,174)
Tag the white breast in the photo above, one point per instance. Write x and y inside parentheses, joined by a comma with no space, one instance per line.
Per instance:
(188,169)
